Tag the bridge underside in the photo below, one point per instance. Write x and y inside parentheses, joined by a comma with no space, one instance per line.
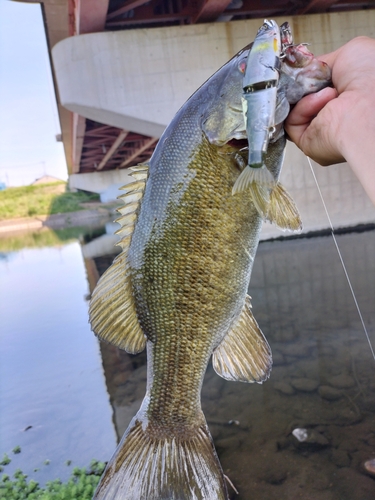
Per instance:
(123,68)
(107,148)
(67,18)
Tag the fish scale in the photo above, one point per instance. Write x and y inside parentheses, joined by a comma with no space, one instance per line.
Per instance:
(190,297)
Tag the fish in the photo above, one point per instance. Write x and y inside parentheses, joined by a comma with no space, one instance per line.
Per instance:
(179,289)
(270,87)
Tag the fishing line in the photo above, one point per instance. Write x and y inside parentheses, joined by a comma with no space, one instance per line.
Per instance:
(342,261)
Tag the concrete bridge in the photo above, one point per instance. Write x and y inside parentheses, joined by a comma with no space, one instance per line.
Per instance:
(118,90)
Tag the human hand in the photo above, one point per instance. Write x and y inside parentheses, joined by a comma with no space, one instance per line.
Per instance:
(338,124)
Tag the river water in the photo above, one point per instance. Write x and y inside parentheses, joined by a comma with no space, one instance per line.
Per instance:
(55,405)
(66,397)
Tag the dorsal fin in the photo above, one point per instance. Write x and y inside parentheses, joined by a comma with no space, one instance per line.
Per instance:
(112,310)
(244,355)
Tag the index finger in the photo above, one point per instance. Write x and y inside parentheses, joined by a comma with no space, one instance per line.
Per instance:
(309,106)
(329,58)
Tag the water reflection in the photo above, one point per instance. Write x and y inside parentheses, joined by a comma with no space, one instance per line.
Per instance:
(53,395)
(323,380)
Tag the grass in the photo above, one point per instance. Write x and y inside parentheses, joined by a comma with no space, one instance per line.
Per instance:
(46,238)
(42,199)
(80,486)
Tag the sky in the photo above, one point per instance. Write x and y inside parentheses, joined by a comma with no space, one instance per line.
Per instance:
(29,119)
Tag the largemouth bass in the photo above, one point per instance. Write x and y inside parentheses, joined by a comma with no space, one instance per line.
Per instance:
(179,288)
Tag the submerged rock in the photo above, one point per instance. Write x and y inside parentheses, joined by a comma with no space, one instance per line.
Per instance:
(352,485)
(228,443)
(278,358)
(300,434)
(369,467)
(348,417)
(284,387)
(340,458)
(329,393)
(283,443)
(342,381)
(276,475)
(309,439)
(349,445)
(305,384)
(297,350)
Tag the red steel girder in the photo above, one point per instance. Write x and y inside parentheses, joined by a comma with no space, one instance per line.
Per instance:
(107,147)
(150,13)
(128,6)
(316,6)
(210,10)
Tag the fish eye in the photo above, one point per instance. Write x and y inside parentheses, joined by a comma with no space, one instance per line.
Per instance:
(242,66)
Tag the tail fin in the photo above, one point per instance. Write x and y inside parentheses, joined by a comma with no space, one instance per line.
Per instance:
(258,182)
(250,175)
(171,468)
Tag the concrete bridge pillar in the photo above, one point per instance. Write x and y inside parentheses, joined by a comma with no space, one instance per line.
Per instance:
(137,79)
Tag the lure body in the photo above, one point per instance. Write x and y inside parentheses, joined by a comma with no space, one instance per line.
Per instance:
(260,84)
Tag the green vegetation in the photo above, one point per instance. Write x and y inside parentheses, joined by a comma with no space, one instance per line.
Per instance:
(6,460)
(80,486)
(39,239)
(47,238)
(41,199)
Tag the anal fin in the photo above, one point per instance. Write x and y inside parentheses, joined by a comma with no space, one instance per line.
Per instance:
(244,355)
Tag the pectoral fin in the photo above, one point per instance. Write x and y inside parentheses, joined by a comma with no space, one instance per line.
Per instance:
(112,309)
(244,355)
(282,210)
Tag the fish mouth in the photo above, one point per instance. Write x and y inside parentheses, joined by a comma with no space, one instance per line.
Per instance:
(239,143)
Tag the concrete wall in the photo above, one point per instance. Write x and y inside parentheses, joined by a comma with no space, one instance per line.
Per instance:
(105,183)
(136,80)
(345,198)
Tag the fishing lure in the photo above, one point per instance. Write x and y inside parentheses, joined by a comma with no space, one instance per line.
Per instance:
(260,85)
